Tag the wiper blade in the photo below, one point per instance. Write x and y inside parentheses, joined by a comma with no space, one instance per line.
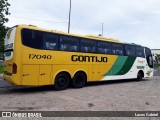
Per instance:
(8,50)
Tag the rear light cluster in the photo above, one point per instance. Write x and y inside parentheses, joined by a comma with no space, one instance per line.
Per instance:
(14,68)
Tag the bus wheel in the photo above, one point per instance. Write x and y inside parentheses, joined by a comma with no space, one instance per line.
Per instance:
(140,75)
(79,80)
(61,81)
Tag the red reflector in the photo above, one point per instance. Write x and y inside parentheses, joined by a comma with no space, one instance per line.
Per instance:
(14,68)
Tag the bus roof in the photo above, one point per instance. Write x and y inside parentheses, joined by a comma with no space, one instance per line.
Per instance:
(69,34)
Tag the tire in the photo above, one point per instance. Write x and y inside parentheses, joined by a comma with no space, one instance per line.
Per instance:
(79,80)
(139,76)
(61,81)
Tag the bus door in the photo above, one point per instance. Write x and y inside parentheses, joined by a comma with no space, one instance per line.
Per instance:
(149,57)
(149,66)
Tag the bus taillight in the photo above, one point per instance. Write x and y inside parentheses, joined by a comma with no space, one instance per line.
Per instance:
(14,68)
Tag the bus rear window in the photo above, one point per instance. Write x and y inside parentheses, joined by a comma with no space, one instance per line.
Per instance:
(9,42)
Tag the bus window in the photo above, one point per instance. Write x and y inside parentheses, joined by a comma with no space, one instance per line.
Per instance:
(68,43)
(50,41)
(88,46)
(130,50)
(117,49)
(104,48)
(32,38)
(149,57)
(140,52)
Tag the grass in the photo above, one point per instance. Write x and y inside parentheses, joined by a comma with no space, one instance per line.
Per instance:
(1,69)
(156,67)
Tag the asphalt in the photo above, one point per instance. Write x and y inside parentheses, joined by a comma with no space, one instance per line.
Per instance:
(157,72)
(3,83)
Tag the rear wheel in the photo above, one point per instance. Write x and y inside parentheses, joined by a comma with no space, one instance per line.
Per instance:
(61,81)
(79,80)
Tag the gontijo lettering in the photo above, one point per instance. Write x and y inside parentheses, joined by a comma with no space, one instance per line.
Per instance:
(81,58)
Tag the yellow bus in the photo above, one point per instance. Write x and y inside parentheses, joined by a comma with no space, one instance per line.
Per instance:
(37,57)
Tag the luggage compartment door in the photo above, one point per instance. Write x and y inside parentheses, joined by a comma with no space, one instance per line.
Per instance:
(30,75)
(45,75)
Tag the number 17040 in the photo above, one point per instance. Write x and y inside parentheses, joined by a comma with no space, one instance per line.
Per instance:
(34,56)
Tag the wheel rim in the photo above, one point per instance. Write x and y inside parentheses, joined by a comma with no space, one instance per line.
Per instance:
(61,81)
(139,76)
(80,80)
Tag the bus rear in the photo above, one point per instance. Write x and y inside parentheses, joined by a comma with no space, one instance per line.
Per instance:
(10,64)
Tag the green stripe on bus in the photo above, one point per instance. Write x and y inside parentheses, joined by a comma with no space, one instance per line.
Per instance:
(117,66)
(127,66)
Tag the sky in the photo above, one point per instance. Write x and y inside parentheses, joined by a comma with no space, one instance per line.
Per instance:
(131,21)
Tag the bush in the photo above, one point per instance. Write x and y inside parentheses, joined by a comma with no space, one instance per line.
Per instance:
(156,66)
(1,69)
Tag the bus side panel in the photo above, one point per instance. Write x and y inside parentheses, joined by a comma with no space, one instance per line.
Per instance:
(95,73)
(138,64)
(99,70)
(30,75)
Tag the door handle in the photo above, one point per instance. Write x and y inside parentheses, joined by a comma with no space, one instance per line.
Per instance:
(26,74)
(43,74)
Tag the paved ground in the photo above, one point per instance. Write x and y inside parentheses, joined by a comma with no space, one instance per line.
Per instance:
(124,95)
(4,83)
(157,72)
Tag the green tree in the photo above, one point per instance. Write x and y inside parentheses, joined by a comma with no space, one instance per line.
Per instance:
(158,58)
(4,11)
(157,61)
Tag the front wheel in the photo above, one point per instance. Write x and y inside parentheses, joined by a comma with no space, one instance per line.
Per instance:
(61,81)
(79,80)
(139,76)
